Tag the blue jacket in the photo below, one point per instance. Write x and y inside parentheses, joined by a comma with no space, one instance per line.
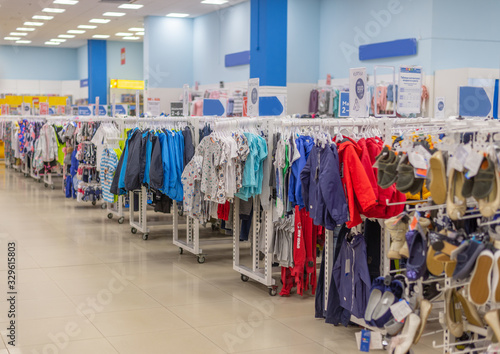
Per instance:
(322,189)
(352,277)
(304,146)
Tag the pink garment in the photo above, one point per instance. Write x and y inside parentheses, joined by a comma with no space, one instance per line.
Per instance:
(215,95)
(197,109)
(382,98)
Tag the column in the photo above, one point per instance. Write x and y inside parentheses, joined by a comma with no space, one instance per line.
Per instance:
(98,74)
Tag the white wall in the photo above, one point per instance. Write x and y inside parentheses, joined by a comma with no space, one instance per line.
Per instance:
(43,87)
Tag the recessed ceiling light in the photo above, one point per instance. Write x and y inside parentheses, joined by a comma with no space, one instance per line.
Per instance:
(87,26)
(52,43)
(18,34)
(58,40)
(66,36)
(139,34)
(175,14)
(102,36)
(42,17)
(136,29)
(124,34)
(33,23)
(114,14)
(66,2)
(12,38)
(25,29)
(23,42)
(76,31)
(132,38)
(214,2)
(53,10)
(99,20)
(130,6)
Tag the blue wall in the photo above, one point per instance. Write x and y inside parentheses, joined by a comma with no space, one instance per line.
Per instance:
(216,34)
(303,41)
(38,63)
(134,63)
(83,62)
(168,51)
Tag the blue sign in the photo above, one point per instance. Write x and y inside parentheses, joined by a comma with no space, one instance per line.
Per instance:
(344,104)
(390,49)
(212,107)
(475,101)
(235,59)
(103,110)
(84,83)
(84,111)
(52,111)
(121,109)
(270,106)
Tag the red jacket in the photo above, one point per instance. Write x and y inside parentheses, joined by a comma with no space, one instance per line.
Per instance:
(357,186)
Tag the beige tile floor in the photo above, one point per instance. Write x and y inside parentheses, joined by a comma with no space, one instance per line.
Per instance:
(87,285)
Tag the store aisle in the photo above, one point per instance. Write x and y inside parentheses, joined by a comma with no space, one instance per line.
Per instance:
(87,285)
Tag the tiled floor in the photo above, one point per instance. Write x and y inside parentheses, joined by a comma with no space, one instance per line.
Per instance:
(87,285)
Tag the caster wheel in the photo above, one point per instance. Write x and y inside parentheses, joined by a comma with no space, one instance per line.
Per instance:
(110,216)
(145,237)
(46,185)
(25,175)
(273,291)
(103,206)
(52,187)
(181,250)
(133,230)
(181,213)
(244,278)
(121,220)
(94,203)
(201,259)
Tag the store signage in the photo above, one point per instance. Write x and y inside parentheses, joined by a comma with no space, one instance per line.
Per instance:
(185,100)
(272,105)
(35,100)
(121,109)
(214,107)
(84,111)
(52,111)
(122,56)
(84,83)
(154,106)
(439,107)
(357,93)
(409,90)
(103,110)
(5,109)
(25,109)
(44,108)
(176,109)
(328,80)
(475,101)
(61,110)
(344,104)
(127,84)
(253,97)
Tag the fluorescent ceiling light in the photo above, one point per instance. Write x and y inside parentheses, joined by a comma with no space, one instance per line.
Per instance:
(87,26)
(42,17)
(136,29)
(175,14)
(12,38)
(139,34)
(58,40)
(66,2)
(33,23)
(23,42)
(99,20)
(102,36)
(25,29)
(124,34)
(130,6)
(114,14)
(132,38)
(215,2)
(53,10)
(66,36)
(18,34)
(52,43)
(76,31)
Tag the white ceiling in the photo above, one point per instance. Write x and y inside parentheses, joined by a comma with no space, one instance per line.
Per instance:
(13,13)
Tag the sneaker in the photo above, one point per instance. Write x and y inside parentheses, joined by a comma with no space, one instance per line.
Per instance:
(480,282)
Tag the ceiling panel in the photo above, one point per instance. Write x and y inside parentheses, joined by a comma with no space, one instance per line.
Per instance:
(13,13)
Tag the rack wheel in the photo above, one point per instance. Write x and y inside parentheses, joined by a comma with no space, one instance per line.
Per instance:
(201,259)
(103,206)
(39,180)
(94,203)
(181,250)
(133,230)
(121,220)
(25,175)
(244,278)
(110,216)
(273,291)
(181,212)
(52,187)
(145,237)
(46,185)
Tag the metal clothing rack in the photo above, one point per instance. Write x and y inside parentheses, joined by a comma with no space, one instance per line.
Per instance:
(116,209)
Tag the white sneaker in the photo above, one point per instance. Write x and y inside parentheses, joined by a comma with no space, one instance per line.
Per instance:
(412,323)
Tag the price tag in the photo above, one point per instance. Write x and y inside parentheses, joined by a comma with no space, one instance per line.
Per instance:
(473,163)
(461,154)
(400,310)
(417,160)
